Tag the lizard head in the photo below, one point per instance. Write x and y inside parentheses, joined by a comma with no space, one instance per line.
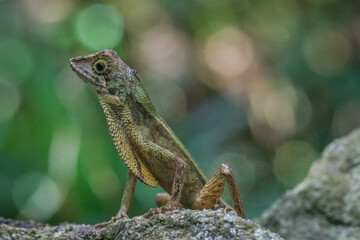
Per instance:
(105,71)
(112,79)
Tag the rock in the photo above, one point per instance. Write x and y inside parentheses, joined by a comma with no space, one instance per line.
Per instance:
(178,224)
(326,205)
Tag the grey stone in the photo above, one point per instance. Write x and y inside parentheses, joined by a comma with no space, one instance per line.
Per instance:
(179,224)
(326,205)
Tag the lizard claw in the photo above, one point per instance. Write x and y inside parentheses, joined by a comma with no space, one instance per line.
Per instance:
(168,207)
(228,209)
(103,224)
(151,212)
(113,219)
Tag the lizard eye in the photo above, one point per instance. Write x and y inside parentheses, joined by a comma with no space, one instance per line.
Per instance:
(100,66)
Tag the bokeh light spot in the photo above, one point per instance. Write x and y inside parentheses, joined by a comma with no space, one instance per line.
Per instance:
(48,11)
(280,113)
(292,161)
(62,164)
(99,27)
(280,106)
(16,60)
(36,196)
(9,100)
(327,52)
(243,170)
(104,176)
(228,52)
(163,52)
(171,104)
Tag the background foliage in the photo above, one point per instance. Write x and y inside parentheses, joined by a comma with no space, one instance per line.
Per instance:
(262,85)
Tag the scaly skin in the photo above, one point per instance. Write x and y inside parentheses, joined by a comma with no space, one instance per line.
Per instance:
(145,143)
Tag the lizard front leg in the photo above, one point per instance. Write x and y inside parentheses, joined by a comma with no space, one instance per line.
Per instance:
(178,181)
(127,198)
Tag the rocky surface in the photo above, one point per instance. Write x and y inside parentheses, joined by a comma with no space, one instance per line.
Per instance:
(326,205)
(184,224)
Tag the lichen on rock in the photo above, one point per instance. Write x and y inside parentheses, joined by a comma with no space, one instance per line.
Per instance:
(326,205)
(177,224)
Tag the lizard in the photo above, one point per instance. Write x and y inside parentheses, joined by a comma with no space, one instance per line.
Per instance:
(149,148)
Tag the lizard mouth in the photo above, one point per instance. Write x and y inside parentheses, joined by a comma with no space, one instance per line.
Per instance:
(85,75)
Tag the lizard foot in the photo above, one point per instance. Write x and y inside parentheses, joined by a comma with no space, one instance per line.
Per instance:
(228,209)
(113,219)
(151,212)
(168,207)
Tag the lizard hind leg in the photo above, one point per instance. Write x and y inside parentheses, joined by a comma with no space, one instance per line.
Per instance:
(213,189)
(171,202)
(177,187)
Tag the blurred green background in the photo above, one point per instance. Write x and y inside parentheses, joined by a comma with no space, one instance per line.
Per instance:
(261,85)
